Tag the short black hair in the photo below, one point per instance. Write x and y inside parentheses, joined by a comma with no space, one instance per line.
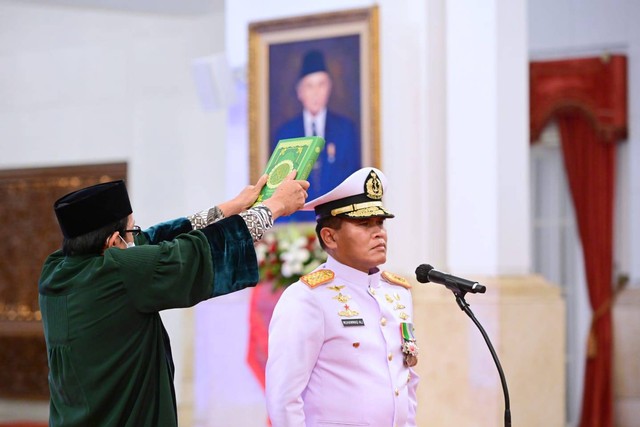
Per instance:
(92,243)
(332,222)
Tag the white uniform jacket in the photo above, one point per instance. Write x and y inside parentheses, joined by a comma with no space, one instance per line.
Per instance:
(335,353)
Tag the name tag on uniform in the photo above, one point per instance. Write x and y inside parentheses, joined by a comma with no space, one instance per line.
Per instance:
(352,322)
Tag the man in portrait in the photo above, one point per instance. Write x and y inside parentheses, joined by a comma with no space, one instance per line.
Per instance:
(341,155)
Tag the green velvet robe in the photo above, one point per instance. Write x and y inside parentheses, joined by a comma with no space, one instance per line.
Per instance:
(109,354)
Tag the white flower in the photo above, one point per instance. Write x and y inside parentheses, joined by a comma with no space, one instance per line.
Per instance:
(293,261)
(261,252)
(288,252)
(269,238)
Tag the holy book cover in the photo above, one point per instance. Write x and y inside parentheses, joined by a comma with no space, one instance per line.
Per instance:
(293,153)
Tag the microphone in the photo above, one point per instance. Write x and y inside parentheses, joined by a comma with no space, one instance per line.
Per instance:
(426,273)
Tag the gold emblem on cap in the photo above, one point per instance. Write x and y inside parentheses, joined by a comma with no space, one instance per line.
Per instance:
(317,278)
(355,207)
(368,212)
(373,186)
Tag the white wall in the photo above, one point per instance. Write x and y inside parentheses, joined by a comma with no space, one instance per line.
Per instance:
(240,13)
(93,86)
(81,86)
(579,29)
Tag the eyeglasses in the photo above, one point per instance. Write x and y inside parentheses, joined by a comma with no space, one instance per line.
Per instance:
(136,230)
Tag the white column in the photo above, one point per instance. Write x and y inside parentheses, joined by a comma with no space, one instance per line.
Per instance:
(487,237)
(633,73)
(413,130)
(487,137)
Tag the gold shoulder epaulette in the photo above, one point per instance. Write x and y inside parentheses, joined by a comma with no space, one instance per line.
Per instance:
(394,279)
(317,278)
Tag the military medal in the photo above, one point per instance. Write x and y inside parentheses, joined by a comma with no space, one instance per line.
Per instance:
(347,312)
(331,152)
(409,346)
(342,298)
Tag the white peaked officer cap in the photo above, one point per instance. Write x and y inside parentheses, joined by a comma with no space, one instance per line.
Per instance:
(358,196)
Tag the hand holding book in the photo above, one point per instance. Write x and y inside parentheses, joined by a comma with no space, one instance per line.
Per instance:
(289,197)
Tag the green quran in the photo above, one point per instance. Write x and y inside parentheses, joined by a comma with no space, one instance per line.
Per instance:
(294,153)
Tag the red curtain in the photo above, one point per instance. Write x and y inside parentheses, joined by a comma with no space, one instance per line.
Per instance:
(588,99)
(590,166)
(263,300)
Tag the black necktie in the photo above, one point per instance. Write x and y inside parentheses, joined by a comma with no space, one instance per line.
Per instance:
(316,167)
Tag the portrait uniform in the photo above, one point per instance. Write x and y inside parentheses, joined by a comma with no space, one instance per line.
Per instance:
(337,161)
(342,153)
(341,345)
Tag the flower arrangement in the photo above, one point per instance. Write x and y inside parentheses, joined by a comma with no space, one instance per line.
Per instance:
(288,252)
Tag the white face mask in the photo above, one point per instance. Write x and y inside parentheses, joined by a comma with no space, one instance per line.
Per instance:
(129,244)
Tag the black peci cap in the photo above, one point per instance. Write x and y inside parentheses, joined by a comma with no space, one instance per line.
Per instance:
(312,62)
(91,208)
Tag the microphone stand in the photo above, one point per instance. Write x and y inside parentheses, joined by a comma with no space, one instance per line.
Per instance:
(459,293)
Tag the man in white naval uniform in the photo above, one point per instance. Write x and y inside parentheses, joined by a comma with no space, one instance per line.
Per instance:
(341,345)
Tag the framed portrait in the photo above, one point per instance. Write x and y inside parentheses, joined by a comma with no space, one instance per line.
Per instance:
(316,75)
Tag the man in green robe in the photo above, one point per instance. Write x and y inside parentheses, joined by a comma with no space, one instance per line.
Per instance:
(109,356)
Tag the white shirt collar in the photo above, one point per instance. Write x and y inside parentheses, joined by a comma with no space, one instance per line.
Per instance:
(320,119)
(352,275)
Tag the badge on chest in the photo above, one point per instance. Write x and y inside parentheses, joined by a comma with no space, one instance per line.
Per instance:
(352,322)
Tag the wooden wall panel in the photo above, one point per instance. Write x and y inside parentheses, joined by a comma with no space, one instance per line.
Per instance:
(30,233)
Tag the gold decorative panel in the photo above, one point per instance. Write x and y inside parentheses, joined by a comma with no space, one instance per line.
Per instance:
(30,233)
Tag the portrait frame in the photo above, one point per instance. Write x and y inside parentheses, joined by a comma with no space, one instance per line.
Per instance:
(359,101)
